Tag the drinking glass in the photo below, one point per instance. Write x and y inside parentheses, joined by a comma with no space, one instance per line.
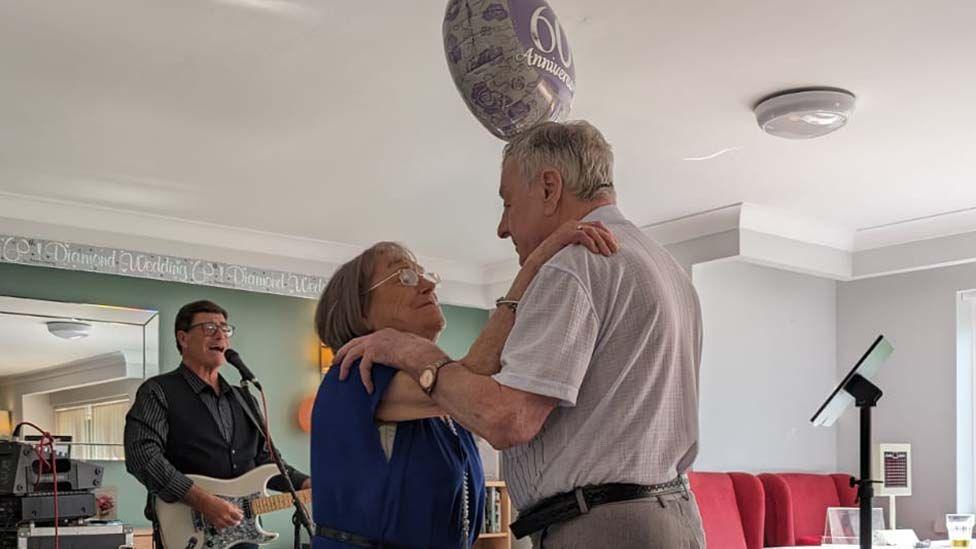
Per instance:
(960,529)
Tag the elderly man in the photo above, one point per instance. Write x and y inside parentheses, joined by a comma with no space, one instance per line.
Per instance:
(587,376)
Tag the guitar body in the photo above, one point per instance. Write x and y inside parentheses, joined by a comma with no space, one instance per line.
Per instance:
(183,528)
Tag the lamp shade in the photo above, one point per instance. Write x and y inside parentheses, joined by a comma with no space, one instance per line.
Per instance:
(325,358)
(305,413)
(6,428)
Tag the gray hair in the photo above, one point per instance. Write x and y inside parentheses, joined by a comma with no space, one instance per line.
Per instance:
(576,149)
(341,313)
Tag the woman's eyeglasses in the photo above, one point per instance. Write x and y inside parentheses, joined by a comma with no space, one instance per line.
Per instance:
(408,277)
(210,328)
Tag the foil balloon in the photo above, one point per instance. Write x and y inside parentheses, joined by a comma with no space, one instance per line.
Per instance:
(510,61)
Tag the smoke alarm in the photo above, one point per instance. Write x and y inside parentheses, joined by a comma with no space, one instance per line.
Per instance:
(805,114)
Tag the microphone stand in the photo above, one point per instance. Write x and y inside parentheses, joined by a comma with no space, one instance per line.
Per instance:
(300,511)
(298,530)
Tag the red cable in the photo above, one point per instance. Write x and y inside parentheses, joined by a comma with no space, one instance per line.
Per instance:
(47,440)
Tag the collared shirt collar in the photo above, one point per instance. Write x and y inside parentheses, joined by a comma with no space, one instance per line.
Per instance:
(607,214)
(198,384)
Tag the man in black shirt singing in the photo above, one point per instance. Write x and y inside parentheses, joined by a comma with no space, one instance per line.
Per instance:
(189,421)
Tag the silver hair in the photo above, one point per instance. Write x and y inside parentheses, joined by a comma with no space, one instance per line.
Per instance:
(576,149)
(341,313)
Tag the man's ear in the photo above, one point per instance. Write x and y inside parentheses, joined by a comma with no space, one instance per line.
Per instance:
(181,338)
(552,190)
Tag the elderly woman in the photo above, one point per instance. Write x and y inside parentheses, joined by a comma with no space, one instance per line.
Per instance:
(389,469)
(394,471)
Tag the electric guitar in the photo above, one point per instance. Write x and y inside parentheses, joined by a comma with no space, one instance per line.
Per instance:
(181,527)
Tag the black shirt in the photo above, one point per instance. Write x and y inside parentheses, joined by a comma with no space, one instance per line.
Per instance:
(179,425)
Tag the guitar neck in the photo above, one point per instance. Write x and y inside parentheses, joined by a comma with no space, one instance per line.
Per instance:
(270,504)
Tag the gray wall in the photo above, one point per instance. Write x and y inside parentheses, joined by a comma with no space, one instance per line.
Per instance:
(917,313)
(767,361)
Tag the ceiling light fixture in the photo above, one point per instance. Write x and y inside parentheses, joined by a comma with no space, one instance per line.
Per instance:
(804,114)
(69,329)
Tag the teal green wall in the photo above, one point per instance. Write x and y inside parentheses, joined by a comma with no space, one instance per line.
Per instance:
(275,336)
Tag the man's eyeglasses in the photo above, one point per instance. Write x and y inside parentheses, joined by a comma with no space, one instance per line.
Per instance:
(210,328)
(408,277)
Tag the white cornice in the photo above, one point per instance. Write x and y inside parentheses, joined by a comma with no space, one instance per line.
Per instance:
(765,236)
(924,228)
(500,271)
(697,225)
(744,231)
(111,220)
(747,216)
(109,227)
(795,227)
(111,365)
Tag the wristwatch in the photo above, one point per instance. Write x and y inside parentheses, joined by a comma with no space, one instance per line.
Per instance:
(428,377)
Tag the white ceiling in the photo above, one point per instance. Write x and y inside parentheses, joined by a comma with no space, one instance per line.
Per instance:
(28,346)
(338,120)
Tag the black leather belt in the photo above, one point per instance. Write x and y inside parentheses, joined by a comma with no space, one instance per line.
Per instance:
(353,539)
(563,507)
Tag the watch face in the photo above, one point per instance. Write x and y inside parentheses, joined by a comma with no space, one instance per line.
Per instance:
(427,379)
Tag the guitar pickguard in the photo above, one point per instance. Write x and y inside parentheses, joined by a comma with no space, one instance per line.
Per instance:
(245,532)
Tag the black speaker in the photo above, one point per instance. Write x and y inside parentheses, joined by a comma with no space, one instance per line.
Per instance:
(39,508)
(22,472)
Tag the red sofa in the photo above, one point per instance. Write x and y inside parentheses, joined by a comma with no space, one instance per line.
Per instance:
(732,509)
(796,505)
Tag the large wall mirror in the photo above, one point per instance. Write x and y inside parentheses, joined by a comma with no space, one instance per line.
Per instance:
(73,370)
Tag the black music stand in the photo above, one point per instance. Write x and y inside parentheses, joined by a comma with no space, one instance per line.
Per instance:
(856,389)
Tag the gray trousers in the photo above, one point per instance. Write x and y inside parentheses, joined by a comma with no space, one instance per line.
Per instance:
(662,522)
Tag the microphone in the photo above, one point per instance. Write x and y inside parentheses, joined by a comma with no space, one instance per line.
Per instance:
(235,360)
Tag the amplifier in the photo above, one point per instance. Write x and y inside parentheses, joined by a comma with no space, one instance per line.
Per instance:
(102,536)
(21,472)
(39,508)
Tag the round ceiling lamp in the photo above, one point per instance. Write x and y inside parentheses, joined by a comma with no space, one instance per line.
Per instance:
(69,329)
(804,114)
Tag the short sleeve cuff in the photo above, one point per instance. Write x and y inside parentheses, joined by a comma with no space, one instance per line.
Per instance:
(566,394)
